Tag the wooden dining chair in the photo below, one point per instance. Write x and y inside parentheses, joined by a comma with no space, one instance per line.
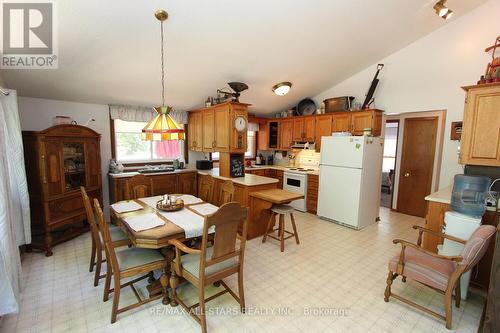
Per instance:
(441,273)
(208,265)
(227,192)
(118,237)
(139,186)
(206,189)
(125,264)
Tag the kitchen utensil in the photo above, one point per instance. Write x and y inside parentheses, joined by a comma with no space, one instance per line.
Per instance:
(306,107)
(338,103)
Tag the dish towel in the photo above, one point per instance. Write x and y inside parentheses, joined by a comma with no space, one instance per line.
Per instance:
(144,221)
(127,206)
(204,209)
(191,222)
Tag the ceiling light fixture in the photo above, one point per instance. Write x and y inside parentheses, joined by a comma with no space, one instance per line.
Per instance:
(282,88)
(163,127)
(443,11)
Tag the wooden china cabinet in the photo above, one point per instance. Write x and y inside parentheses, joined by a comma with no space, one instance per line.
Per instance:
(58,161)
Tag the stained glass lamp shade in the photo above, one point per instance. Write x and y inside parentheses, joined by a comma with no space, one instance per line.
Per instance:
(163,127)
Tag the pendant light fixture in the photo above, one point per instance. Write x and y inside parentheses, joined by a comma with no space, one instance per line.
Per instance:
(162,127)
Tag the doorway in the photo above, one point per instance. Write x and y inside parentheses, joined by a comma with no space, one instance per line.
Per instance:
(417,164)
(389,162)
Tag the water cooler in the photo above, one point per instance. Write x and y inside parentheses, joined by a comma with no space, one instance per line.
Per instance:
(468,206)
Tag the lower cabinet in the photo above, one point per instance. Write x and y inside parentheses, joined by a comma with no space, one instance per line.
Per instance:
(312,194)
(183,183)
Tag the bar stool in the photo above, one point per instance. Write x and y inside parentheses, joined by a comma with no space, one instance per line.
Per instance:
(281,210)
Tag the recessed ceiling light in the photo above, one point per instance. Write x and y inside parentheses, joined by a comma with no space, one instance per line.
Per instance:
(282,88)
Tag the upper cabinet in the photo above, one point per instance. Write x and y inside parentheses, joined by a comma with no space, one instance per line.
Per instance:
(286,129)
(213,129)
(366,119)
(323,128)
(303,128)
(480,141)
(195,131)
(341,121)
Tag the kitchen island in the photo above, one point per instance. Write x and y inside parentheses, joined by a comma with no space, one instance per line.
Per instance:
(186,181)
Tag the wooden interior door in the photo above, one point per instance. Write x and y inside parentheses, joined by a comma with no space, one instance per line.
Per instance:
(417,164)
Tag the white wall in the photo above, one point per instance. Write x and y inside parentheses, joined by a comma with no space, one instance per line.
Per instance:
(427,75)
(36,114)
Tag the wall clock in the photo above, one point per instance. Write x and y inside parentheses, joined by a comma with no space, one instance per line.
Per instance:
(240,123)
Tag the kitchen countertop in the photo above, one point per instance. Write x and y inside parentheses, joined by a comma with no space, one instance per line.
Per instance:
(442,196)
(279,167)
(248,180)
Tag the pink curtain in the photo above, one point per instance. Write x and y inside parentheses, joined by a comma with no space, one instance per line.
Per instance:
(167,149)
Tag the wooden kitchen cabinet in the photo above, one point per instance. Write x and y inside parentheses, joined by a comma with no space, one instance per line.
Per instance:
(312,194)
(341,121)
(207,118)
(303,128)
(286,134)
(195,131)
(221,128)
(480,141)
(323,128)
(187,183)
(263,136)
(366,119)
(212,129)
(276,174)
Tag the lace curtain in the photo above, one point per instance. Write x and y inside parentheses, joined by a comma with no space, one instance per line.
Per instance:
(141,113)
(14,203)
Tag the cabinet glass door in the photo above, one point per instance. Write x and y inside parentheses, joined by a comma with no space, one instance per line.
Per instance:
(74,165)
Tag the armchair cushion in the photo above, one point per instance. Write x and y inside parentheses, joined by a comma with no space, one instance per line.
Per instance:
(191,263)
(134,257)
(424,268)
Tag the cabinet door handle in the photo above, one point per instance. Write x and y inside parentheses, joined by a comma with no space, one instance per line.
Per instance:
(44,173)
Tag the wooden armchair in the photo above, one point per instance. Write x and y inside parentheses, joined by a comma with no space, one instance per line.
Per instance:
(206,189)
(210,265)
(139,186)
(441,273)
(118,237)
(227,192)
(128,263)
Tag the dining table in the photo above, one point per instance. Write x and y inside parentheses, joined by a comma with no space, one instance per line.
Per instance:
(183,225)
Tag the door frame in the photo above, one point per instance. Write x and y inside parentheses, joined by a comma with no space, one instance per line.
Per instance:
(441,114)
(435,120)
(396,166)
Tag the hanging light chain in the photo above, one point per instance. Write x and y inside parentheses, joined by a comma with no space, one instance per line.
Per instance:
(162,69)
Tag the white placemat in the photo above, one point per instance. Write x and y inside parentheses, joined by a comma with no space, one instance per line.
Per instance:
(144,221)
(191,222)
(151,201)
(204,209)
(127,206)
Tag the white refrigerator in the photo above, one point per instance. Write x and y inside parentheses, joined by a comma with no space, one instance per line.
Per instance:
(350,180)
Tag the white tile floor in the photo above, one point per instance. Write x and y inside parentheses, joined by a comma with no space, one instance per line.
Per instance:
(332,282)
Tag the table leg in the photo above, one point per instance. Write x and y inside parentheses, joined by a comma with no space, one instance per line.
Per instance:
(174,282)
(169,254)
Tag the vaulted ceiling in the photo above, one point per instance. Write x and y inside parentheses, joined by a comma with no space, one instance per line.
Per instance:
(109,51)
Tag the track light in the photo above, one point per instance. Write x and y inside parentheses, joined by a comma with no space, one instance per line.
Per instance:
(443,11)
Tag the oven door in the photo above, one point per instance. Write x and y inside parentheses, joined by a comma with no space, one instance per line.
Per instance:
(296,183)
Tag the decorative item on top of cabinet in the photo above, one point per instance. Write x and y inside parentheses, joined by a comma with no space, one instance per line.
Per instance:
(58,161)
(456,130)
(480,142)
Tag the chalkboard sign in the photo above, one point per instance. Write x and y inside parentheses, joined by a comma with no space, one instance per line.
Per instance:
(237,166)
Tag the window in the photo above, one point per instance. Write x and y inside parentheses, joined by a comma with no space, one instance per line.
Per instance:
(129,147)
(250,153)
